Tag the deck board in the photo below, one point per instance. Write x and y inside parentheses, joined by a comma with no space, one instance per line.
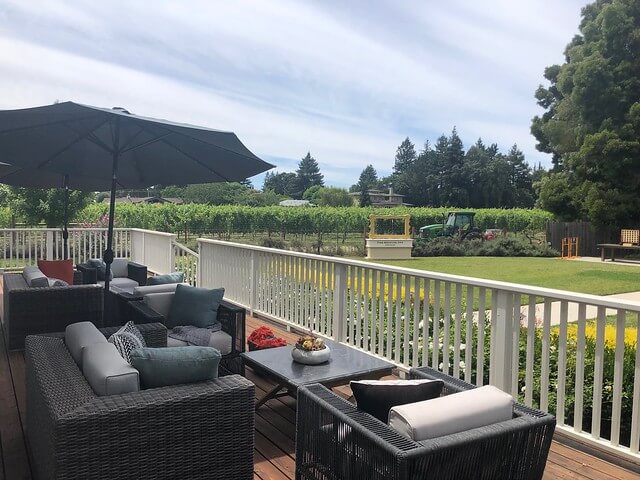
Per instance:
(275,430)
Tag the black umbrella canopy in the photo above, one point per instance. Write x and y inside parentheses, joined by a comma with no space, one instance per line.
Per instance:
(82,140)
(90,142)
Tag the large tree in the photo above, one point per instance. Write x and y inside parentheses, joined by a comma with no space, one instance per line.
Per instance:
(591,123)
(35,205)
(308,174)
(368,180)
(405,157)
(282,183)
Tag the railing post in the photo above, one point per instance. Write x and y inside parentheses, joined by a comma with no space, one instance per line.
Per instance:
(253,282)
(501,368)
(172,256)
(339,296)
(49,245)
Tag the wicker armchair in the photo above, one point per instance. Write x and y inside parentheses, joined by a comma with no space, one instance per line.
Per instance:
(197,431)
(335,440)
(135,271)
(32,310)
(231,317)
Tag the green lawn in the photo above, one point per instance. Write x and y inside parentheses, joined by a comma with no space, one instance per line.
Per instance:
(576,276)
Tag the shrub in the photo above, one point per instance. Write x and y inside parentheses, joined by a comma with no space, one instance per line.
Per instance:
(511,246)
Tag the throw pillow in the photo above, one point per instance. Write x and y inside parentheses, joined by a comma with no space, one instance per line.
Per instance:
(56,282)
(101,268)
(377,397)
(62,269)
(175,277)
(127,339)
(120,268)
(194,306)
(160,367)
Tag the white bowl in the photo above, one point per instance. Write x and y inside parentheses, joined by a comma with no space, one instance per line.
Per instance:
(311,357)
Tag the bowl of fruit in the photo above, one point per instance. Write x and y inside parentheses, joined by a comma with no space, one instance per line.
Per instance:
(310,350)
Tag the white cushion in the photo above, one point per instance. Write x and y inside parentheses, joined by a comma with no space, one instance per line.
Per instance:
(120,268)
(123,284)
(165,287)
(107,372)
(79,335)
(160,302)
(453,413)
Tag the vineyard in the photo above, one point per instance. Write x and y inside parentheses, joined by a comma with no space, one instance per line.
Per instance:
(225,221)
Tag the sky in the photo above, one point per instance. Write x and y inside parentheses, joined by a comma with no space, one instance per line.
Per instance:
(347,81)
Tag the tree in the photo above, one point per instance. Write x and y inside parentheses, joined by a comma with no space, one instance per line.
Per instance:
(368,180)
(405,157)
(334,197)
(312,194)
(308,174)
(283,183)
(591,122)
(35,205)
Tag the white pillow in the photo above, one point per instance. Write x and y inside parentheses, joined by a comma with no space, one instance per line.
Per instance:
(120,268)
(453,413)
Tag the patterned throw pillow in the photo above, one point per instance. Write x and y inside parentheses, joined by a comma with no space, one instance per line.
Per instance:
(127,339)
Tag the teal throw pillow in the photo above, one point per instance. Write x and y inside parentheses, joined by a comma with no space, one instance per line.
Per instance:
(160,367)
(175,277)
(194,306)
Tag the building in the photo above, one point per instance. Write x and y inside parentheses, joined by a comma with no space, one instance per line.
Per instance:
(382,199)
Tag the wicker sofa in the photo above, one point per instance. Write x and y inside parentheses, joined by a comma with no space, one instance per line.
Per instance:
(231,317)
(31,310)
(198,431)
(336,440)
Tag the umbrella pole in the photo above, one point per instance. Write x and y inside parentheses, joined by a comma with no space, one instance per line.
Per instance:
(108,253)
(65,231)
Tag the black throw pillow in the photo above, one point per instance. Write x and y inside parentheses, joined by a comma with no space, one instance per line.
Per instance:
(377,397)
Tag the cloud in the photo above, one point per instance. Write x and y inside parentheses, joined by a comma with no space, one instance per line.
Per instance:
(345,81)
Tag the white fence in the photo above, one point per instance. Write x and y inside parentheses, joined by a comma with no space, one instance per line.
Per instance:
(540,345)
(25,246)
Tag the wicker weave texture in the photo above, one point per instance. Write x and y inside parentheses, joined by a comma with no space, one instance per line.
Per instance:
(334,440)
(196,431)
(29,311)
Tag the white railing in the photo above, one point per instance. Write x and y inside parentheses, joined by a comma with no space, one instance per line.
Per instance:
(186,261)
(25,246)
(559,351)
(153,249)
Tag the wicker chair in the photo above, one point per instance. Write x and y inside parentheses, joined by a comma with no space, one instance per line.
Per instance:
(32,310)
(335,440)
(231,317)
(197,431)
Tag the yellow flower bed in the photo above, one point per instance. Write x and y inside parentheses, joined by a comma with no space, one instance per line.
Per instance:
(630,333)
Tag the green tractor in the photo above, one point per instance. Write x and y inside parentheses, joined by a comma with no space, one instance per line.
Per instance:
(458,225)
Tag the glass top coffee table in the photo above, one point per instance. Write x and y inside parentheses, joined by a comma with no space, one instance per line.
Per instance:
(345,364)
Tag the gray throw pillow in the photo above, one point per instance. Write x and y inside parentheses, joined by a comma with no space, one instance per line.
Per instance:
(34,277)
(194,306)
(175,277)
(160,367)
(127,339)
(56,282)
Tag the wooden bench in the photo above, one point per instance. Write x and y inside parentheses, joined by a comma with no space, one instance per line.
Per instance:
(612,247)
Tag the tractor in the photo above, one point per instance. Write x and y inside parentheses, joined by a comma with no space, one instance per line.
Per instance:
(458,225)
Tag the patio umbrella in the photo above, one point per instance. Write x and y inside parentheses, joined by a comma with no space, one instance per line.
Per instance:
(113,144)
(38,178)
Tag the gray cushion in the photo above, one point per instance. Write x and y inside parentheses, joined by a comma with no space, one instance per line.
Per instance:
(194,306)
(220,340)
(453,413)
(79,335)
(125,284)
(107,372)
(160,367)
(56,282)
(167,287)
(160,302)
(175,277)
(34,277)
(120,268)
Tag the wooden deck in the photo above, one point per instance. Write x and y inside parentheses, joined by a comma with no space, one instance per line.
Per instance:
(275,431)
